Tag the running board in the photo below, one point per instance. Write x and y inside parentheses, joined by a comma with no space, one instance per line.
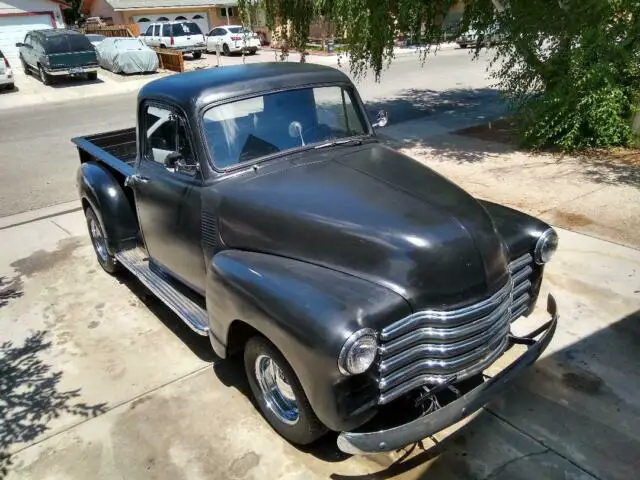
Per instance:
(137,262)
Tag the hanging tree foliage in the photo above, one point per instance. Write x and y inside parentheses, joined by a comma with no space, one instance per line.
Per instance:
(570,68)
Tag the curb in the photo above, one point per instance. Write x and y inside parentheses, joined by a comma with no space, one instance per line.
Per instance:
(23,218)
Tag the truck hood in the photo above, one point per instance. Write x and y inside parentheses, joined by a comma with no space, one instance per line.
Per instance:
(373,213)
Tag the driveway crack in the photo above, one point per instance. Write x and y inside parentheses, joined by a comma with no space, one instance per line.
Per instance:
(501,468)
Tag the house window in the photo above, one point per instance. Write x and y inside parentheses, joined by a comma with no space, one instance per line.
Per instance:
(163,19)
(181,18)
(143,20)
(198,17)
(226,12)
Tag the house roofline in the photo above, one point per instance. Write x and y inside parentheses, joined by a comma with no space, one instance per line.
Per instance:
(212,5)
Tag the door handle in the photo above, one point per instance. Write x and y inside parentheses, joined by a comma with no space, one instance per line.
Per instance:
(134,179)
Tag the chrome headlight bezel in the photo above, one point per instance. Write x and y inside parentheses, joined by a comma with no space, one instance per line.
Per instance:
(365,337)
(546,246)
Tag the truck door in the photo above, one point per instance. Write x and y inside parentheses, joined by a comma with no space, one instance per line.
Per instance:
(167,192)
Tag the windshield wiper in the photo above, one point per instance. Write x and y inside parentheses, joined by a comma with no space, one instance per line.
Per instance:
(355,141)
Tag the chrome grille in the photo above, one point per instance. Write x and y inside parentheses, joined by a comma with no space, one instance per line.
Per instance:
(521,269)
(432,346)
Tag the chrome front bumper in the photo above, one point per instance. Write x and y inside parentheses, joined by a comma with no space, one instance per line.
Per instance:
(414,431)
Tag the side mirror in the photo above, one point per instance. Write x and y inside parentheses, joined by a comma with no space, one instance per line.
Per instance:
(382,118)
(177,161)
(19,44)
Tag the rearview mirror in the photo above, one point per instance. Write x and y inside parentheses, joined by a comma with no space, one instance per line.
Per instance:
(382,118)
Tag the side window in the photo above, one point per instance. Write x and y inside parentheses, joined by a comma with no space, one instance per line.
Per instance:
(149,31)
(335,111)
(166,30)
(156,30)
(166,133)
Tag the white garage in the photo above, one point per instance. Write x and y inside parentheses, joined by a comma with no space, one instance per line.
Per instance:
(17,17)
(198,17)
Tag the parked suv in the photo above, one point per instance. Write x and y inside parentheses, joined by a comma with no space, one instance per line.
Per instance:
(184,36)
(6,75)
(58,52)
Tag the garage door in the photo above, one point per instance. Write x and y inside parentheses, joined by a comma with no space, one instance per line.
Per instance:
(14,28)
(200,18)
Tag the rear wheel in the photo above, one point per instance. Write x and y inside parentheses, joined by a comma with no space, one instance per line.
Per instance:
(44,76)
(279,394)
(225,49)
(463,45)
(253,51)
(105,259)
(197,55)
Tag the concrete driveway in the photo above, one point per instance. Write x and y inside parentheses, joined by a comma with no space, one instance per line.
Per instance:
(99,380)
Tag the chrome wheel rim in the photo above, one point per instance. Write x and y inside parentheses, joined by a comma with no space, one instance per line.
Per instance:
(98,241)
(276,391)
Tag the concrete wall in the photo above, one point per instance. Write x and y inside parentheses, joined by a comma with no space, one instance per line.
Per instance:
(23,6)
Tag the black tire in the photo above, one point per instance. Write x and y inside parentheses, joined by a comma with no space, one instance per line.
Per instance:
(197,55)
(225,50)
(44,77)
(463,45)
(92,76)
(105,259)
(25,67)
(253,51)
(307,428)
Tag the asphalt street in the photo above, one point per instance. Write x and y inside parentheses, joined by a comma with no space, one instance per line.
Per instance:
(38,161)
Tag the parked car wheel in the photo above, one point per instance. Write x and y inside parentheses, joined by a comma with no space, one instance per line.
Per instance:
(98,239)
(92,75)
(197,55)
(25,67)
(253,51)
(463,45)
(279,394)
(44,77)
(225,50)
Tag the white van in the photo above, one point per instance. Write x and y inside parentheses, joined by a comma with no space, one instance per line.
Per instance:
(184,36)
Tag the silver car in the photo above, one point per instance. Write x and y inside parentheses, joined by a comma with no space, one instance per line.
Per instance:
(6,74)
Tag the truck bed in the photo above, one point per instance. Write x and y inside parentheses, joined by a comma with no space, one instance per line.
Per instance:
(116,148)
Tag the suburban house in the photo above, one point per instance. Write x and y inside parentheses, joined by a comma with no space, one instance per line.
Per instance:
(17,17)
(206,13)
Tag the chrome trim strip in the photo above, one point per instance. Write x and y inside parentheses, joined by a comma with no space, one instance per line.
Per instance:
(443,351)
(521,300)
(444,335)
(437,379)
(521,288)
(520,262)
(517,313)
(521,275)
(444,317)
(431,366)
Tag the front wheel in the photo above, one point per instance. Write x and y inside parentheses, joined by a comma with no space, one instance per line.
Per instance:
(92,76)
(25,67)
(196,55)
(279,394)
(105,259)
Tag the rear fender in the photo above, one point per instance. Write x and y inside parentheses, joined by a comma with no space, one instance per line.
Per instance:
(308,312)
(103,193)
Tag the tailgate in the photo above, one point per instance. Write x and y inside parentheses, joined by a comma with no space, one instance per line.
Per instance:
(72,59)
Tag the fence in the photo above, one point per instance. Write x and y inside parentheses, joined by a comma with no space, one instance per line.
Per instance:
(129,30)
(170,59)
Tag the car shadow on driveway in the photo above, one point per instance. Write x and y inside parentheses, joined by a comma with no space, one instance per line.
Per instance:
(199,345)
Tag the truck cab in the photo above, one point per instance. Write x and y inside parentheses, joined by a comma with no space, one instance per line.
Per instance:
(259,205)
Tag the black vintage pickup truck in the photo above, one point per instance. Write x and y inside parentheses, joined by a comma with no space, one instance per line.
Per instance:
(366,293)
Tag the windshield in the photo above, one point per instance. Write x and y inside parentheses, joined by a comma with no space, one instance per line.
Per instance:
(238,30)
(186,28)
(245,130)
(95,38)
(67,43)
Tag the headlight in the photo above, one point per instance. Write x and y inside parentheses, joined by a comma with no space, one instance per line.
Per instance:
(358,352)
(546,246)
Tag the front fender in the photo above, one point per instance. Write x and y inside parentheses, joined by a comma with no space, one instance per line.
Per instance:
(105,195)
(308,312)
